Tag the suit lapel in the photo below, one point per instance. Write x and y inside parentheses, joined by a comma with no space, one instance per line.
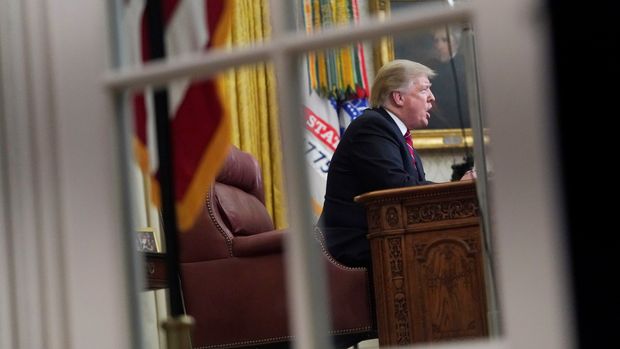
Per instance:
(417,171)
(419,168)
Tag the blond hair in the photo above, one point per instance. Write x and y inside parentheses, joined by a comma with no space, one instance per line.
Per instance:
(396,75)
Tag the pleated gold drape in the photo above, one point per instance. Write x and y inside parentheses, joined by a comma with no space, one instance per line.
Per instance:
(253,109)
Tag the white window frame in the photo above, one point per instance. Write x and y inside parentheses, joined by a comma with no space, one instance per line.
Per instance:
(60,172)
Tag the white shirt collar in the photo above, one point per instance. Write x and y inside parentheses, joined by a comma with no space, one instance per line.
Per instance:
(399,123)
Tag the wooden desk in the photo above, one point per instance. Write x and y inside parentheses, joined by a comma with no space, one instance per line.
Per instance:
(155,273)
(427,264)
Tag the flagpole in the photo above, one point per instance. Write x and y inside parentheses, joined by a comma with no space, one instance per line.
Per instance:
(178,325)
(164,149)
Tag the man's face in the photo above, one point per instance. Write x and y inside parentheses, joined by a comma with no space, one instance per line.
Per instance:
(442,47)
(415,102)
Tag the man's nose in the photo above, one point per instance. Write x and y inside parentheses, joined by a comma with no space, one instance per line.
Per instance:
(431,96)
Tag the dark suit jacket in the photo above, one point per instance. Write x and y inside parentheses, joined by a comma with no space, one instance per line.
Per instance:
(372,155)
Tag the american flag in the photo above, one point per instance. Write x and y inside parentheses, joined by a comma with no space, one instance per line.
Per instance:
(199,123)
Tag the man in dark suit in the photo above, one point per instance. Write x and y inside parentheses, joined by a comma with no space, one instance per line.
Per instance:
(374,154)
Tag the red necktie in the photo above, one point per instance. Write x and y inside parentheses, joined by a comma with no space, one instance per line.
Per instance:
(409,142)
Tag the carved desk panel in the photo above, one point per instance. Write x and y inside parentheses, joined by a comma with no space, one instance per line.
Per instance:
(427,263)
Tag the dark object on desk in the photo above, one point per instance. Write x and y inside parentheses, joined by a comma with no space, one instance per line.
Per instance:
(233,272)
(458,170)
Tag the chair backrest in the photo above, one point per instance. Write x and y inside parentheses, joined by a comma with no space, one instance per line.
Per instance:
(239,194)
(235,206)
(241,170)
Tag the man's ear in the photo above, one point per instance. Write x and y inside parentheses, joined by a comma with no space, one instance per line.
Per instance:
(397,98)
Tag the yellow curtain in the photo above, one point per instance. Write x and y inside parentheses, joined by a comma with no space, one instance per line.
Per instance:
(253,109)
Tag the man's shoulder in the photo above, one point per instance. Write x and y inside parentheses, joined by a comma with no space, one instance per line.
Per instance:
(381,118)
(372,115)
(371,120)
(373,112)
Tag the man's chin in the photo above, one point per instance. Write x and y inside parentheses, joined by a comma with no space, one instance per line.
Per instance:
(427,119)
(423,123)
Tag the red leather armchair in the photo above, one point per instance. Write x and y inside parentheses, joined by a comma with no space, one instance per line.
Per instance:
(232,270)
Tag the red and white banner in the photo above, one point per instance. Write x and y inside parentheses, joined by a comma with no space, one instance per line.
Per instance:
(322,137)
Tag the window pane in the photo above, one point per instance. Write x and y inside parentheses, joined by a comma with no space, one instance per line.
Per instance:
(232,262)
(455,286)
(335,89)
(229,245)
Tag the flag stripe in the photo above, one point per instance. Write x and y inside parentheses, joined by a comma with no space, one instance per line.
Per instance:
(199,123)
(191,134)
(201,147)
(219,16)
(140,115)
(189,208)
(168,8)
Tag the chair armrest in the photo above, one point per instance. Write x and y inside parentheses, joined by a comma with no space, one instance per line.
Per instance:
(258,244)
